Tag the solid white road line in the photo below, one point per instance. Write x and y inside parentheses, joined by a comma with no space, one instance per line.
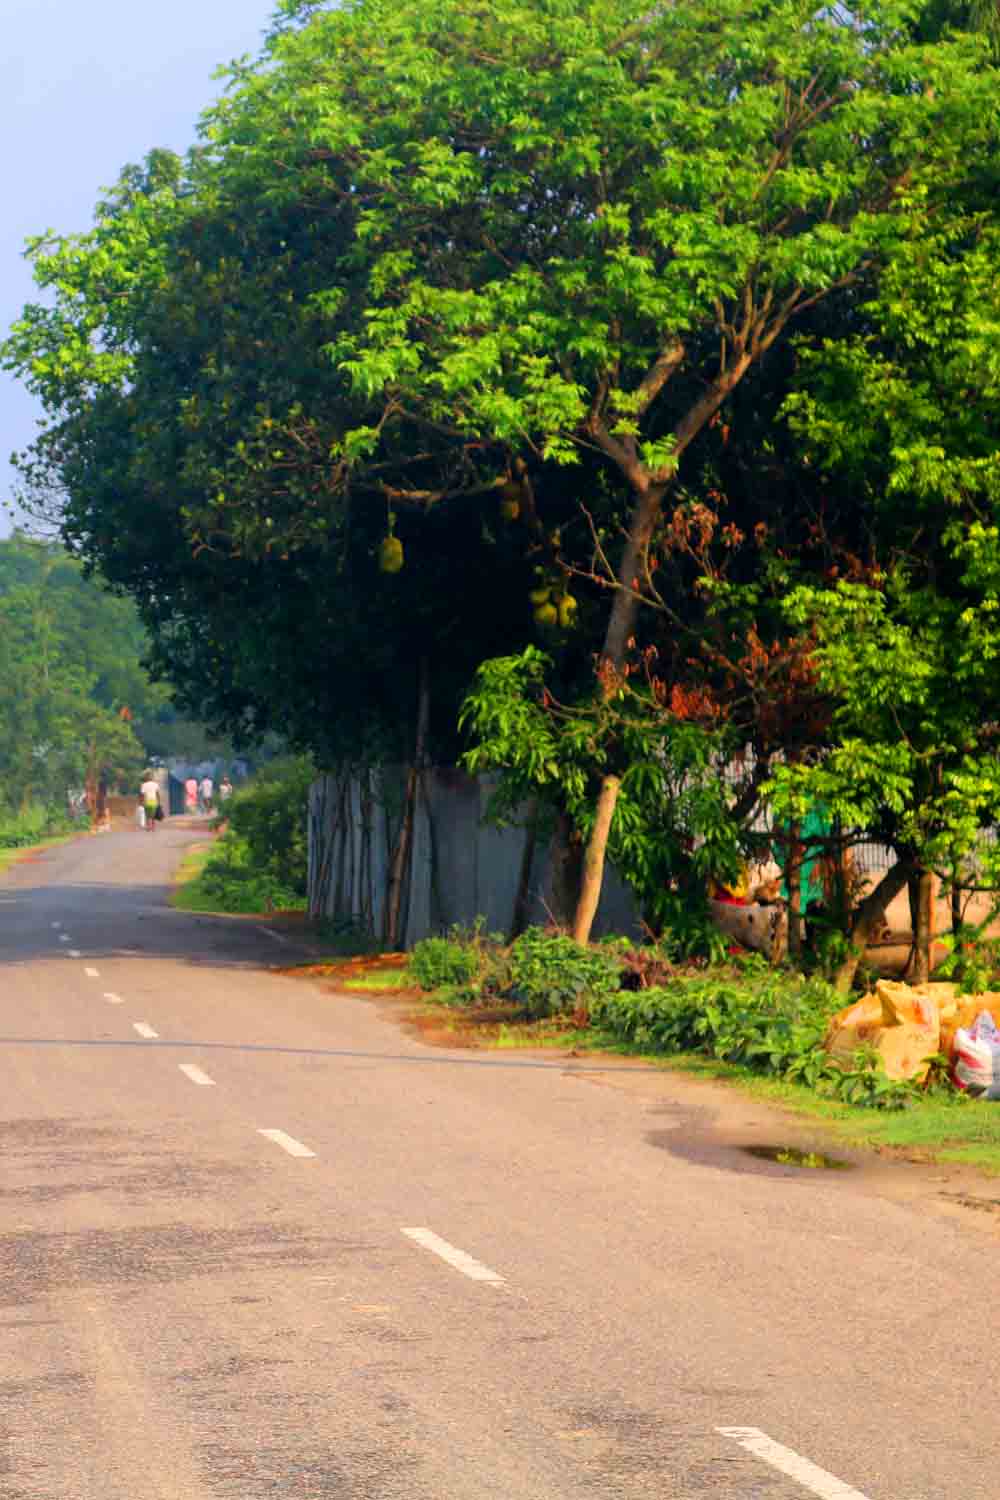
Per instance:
(287,1143)
(64,937)
(144,1029)
(92,973)
(812,1478)
(457,1258)
(196,1075)
(113,999)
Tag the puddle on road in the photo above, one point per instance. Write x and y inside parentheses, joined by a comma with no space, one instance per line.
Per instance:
(791,1156)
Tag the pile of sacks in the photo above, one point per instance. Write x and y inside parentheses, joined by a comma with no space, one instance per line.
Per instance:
(909,1024)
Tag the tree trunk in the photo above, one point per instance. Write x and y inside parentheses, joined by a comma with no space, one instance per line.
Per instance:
(566,871)
(620,631)
(625,606)
(793,880)
(404,844)
(522,901)
(869,912)
(618,639)
(922,910)
(593,861)
(956,904)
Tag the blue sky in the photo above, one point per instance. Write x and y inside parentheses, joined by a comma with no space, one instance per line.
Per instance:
(85,88)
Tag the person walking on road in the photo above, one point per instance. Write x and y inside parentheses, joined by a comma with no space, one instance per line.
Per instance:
(149,801)
(191,795)
(207,790)
(225,789)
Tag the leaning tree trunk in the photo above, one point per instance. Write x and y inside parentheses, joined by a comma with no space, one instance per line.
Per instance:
(404,843)
(921,885)
(593,860)
(620,631)
(793,880)
(869,913)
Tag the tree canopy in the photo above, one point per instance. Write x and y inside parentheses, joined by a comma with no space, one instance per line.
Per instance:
(78,702)
(645,335)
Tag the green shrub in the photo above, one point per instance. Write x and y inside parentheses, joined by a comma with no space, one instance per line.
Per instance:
(440,961)
(767,1020)
(232,881)
(269,816)
(549,973)
(973,957)
(35,822)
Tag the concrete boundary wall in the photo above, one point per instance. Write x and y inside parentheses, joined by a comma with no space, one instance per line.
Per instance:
(460,869)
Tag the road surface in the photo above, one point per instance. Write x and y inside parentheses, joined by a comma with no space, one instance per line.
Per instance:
(257,1241)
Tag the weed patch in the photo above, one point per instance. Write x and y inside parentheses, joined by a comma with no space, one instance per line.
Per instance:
(223,877)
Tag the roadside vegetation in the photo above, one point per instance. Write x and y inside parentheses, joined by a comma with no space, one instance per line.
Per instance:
(739,1021)
(77,706)
(37,827)
(258,861)
(603,398)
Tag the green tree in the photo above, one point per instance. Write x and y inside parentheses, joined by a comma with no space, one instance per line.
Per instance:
(79,705)
(576,232)
(906,413)
(422,246)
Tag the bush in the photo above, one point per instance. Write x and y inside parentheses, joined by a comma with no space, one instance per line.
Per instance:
(768,1020)
(438,961)
(35,822)
(549,973)
(269,819)
(232,881)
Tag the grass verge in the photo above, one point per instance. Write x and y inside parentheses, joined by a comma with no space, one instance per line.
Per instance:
(10,857)
(216,878)
(189,893)
(938,1127)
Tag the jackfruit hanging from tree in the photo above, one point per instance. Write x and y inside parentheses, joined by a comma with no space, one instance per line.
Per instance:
(390,552)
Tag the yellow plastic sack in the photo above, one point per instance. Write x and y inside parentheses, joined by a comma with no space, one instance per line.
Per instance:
(901,1022)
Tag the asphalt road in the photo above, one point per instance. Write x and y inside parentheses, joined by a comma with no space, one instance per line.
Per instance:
(257,1241)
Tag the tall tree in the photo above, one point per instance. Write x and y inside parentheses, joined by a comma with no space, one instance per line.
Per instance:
(530,250)
(577,231)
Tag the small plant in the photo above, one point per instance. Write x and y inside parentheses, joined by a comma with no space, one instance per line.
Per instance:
(438,962)
(750,1014)
(550,974)
(22,829)
(973,959)
(688,931)
(231,880)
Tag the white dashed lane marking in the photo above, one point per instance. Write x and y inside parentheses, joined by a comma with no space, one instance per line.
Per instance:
(144,1029)
(64,937)
(457,1258)
(811,1477)
(113,999)
(196,1075)
(56,924)
(75,953)
(287,1143)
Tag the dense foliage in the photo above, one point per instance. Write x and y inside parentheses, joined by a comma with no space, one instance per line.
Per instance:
(740,1011)
(665,339)
(77,703)
(259,862)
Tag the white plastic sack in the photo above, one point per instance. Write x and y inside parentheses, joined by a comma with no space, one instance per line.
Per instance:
(140,816)
(977,1057)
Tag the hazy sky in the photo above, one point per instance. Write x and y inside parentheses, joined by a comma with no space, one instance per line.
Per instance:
(86,86)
